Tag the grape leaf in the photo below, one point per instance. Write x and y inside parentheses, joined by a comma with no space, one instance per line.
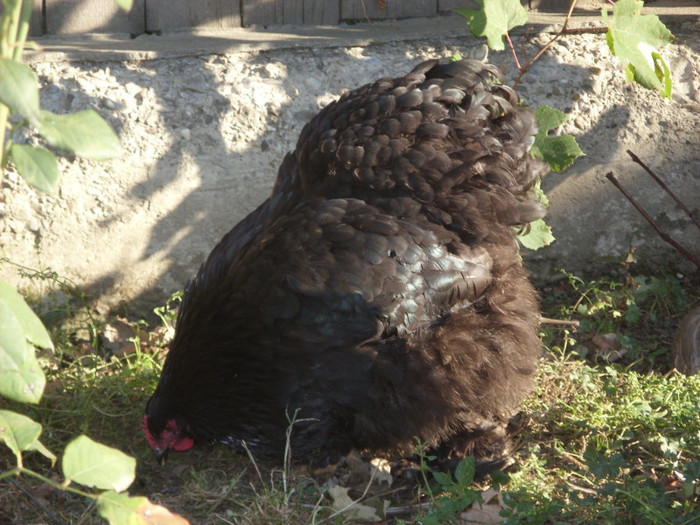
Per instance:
(635,39)
(560,151)
(495,20)
(536,235)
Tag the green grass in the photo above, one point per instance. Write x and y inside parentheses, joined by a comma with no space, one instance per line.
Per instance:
(609,437)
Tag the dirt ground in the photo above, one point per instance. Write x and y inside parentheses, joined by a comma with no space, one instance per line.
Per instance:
(204,132)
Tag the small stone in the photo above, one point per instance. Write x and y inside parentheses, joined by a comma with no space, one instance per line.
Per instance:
(580,123)
(186,133)
(109,104)
(33,224)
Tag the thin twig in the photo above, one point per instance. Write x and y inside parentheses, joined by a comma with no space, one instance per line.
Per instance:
(512,49)
(653,224)
(665,188)
(35,500)
(568,322)
(579,30)
(527,66)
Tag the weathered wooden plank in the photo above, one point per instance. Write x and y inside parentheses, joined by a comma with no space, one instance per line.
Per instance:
(92,16)
(448,5)
(557,6)
(321,12)
(411,8)
(173,15)
(277,12)
(363,10)
(292,12)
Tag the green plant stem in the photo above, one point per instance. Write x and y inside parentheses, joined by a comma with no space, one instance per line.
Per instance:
(4,115)
(59,486)
(22,29)
(14,29)
(10,28)
(649,508)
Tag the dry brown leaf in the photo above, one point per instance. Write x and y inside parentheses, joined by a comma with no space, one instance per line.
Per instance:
(485,513)
(157,515)
(345,505)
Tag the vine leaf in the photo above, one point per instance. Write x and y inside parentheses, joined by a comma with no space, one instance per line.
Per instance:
(21,376)
(537,235)
(19,89)
(135,510)
(495,20)
(635,39)
(558,151)
(37,165)
(21,433)
(84,133)
(96,465)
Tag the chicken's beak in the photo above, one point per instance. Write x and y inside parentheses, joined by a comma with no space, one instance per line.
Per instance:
(161,454)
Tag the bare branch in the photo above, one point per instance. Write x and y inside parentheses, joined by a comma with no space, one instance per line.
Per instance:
(665,188)
(666,237)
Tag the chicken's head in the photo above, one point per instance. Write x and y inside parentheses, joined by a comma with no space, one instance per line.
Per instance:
(166,435)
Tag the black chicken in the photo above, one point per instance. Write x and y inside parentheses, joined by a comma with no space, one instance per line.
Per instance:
(378,294)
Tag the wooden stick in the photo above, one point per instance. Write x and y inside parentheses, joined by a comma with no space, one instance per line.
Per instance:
(666,237)
(665,188)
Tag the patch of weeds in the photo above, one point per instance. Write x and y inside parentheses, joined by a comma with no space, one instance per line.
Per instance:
(628,320)
(63,308)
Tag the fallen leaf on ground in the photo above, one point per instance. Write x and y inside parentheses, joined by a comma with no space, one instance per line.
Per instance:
(345,505)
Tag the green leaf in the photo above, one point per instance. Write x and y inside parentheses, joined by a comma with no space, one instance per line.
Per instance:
(445,480)
(21,433)
(21,376)
(465,471)
(664,74)
(495,20)
(539,193)
(31,325)
(122,509)
(634,38)
(84,133)
(95,465)
(125,4)
(19,89)
(38,166)
(560,151)
(537,235)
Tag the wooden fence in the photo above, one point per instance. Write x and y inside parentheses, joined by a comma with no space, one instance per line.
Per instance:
(75,17)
